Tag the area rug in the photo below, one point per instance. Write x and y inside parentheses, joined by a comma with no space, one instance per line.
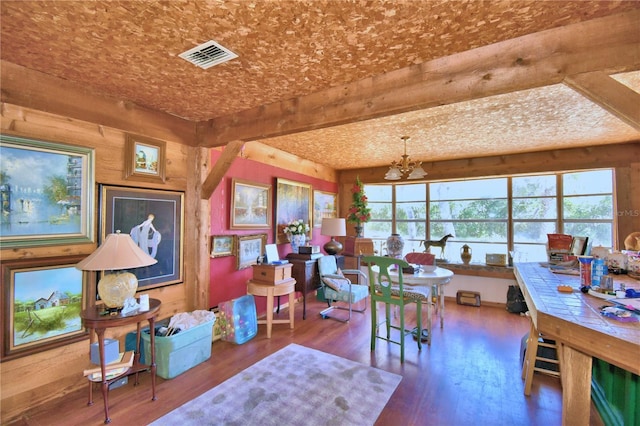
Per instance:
(294,386)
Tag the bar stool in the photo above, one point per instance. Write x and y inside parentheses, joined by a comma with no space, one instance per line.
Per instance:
(535,361)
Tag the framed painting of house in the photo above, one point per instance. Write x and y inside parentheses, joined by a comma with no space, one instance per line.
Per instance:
(250,205)
(249,248)
(293,202)
(42,301)
(222,245)
(144,159)
(155,221)
(46,193)
(325,204)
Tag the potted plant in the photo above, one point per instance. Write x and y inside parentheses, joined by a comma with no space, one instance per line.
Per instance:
(296,232)
(359,212)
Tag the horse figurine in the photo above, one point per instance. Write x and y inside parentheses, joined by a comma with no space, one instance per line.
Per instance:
(442,242)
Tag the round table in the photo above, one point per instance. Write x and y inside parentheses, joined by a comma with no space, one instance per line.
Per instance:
(270,291)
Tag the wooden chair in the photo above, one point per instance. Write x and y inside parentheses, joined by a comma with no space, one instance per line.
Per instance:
(537,360)
(337,288)
(426,260)
(382,289)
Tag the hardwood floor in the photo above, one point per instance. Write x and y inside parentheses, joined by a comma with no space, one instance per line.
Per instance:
(470,375)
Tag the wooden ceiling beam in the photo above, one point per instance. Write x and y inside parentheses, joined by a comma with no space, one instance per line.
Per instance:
(610,94)
(229,154)
(607,44)
(33,89)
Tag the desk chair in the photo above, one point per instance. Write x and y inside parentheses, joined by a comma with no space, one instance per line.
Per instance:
(382,289)
(337,288)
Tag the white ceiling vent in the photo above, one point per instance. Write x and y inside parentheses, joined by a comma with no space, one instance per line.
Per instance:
(208,54)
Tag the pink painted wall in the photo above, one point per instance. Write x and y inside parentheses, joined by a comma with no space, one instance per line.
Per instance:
(225,281)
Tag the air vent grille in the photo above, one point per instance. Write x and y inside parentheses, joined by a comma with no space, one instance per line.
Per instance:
(208,54)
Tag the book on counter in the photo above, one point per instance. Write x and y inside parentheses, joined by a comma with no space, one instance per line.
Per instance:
(113,369)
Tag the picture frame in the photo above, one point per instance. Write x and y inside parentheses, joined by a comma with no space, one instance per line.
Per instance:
(155,214)
(248,249)
(293,202)
(47,193)
(42,300)
(578,245)
(325,204)
(144,159)
(222,245)
(250,205)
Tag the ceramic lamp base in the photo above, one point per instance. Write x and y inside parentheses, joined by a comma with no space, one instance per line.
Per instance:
(115,288)
(333,247)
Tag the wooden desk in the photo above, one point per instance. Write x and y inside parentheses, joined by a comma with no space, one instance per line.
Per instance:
(305,272)
(92,319)
(269,290)
(439,277)
(574,321)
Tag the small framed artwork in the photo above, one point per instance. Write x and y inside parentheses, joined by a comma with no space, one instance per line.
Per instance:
(46,193)
(144,159)
(42,301)
(249,248)
(155,220)
(293,202)
(222,245)
(325,204)
(250,205)
(578,245)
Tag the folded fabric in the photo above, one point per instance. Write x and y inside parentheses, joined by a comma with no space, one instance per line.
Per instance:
(335,283)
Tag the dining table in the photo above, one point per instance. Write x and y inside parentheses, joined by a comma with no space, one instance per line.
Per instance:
(560,311)
(435,279)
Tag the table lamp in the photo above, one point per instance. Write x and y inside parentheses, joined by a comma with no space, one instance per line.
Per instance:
(118,252)
(333,227)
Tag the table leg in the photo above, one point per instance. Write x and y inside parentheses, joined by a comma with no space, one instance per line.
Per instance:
(575,371)
(152,344)
(292,301)
(441,301)
(104,384)
(269,312)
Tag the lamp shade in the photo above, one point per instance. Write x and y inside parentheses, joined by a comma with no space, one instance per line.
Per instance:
(118,251)
(334,227)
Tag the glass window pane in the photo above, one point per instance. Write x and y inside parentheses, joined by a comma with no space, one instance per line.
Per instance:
(535,208)
(534,186)
(600,234)
(469,189)
(481,231)
(411,211)
(408,230)
(377,229)
(414,192)
(466,210)
(530,253)
(479,250)
(588,207)
(533,232)
(380,211)
(591,182)
(378,192)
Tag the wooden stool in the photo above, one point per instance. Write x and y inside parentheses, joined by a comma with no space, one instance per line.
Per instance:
(271,290)
(529,366)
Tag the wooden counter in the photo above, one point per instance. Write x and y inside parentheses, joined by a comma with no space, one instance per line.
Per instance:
(574,321)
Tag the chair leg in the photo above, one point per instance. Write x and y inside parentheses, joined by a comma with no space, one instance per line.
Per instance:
(419,323)
(374,324)
(402,334)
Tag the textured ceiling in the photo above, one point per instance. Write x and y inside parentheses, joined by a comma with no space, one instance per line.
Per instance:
(287,49)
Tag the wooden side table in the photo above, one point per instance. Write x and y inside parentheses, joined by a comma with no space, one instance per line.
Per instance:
(270,291)
(94,320)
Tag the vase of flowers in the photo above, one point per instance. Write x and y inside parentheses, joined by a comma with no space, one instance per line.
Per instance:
(296,232)
(359,212)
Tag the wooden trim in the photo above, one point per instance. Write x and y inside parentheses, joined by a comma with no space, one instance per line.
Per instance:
(220,169)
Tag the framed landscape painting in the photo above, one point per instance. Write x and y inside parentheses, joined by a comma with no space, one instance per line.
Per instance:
(155,221)
(325,204)
(42,301)
(222,245)
(46,193)
(144,159)
(293,202)
(250,205)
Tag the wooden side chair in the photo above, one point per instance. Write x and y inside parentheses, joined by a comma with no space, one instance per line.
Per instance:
(542,355)
(337,288)
(383,290)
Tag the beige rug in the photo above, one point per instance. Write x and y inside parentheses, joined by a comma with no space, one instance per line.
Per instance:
(294,386)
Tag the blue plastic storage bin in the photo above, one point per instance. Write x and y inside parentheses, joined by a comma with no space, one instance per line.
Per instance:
(180,352)
(238,319)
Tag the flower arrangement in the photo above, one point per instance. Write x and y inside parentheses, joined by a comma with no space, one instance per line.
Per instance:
(359,213)
(296,227)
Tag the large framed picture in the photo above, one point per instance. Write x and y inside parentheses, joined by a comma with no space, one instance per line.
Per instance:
(250,205)
(47,193)
(155,221)
(249,248)
(41,302)
(325,204)
(144,158)
(222,245)
(293,202)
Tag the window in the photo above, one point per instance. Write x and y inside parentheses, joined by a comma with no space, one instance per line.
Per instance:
(495,215)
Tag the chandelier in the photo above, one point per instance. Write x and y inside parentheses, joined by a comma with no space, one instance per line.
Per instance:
(398,169)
